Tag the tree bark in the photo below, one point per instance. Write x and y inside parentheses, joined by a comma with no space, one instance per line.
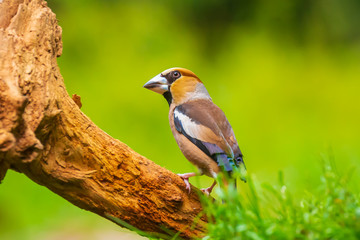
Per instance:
(44,135)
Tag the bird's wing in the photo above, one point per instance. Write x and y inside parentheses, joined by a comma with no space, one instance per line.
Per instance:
(206,126)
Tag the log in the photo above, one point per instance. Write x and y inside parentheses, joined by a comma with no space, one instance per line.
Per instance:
(44,135)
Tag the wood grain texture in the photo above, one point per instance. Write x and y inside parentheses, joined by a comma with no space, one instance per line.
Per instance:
(44,135)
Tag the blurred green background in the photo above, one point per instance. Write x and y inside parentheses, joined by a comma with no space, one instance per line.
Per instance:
(286,73)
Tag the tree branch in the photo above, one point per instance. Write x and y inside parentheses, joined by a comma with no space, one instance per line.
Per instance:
(44,135)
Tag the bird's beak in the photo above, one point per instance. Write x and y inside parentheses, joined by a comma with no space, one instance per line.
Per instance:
(158,84)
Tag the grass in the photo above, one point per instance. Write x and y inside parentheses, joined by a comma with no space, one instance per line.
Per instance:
(271,212)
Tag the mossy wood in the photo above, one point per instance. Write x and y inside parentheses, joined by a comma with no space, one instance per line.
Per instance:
(44,135)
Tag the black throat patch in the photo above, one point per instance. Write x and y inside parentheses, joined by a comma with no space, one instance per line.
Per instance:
(167,95)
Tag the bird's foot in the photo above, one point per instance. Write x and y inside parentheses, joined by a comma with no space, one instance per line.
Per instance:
(185,177)
(208,190)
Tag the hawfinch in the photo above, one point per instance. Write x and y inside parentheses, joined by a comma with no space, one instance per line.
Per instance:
(200,128)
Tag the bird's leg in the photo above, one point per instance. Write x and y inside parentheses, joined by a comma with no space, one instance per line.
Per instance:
(208,190)
(185,177)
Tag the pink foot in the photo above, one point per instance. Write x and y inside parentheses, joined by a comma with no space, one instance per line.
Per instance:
(208,190)
(185,177)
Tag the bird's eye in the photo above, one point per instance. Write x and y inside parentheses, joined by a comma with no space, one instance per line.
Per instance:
(176,74)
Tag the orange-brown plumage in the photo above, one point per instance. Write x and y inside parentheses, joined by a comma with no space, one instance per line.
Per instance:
(200,128)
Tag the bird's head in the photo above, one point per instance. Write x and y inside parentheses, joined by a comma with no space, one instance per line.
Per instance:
(178,85)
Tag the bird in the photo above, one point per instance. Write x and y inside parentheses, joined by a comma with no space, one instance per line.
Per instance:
(201,129)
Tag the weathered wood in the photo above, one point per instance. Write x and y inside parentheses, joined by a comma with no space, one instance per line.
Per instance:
(44,134)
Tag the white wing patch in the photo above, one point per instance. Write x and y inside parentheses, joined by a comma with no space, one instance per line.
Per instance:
(198,131)
(190,127)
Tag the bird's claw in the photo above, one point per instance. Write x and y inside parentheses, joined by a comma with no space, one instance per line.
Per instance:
(186,181)
(206,191)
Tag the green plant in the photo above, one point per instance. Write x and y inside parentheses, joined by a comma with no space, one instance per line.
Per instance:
(271,212)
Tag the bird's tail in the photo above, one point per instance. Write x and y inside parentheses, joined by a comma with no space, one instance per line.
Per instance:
(242,168)
(233,168)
